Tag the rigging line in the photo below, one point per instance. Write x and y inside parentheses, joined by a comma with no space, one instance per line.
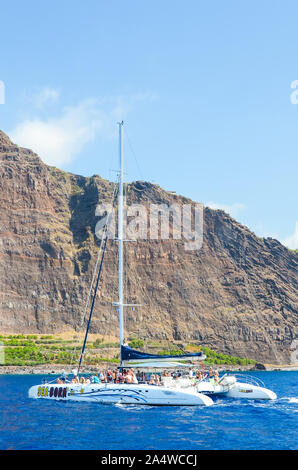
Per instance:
(125,256)
(114,195)
(93,302)
(88,299)
(134,154)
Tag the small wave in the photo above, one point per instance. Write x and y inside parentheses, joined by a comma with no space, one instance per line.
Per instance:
(132,407)
(293,400)
(290,399)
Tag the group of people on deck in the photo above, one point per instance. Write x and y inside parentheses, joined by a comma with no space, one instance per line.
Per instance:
(112,376)
(200,375)
(106,376)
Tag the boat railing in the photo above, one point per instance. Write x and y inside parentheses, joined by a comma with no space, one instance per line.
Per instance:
(249,379)
(46,381)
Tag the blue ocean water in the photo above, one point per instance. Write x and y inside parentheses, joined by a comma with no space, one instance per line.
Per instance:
(229,424)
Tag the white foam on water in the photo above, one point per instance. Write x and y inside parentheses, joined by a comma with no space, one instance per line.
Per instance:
(290,399)
(293,400)
(132,407)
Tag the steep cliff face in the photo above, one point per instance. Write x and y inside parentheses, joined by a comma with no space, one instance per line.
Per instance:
(237,294)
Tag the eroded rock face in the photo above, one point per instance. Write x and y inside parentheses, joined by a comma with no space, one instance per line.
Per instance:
(237,294)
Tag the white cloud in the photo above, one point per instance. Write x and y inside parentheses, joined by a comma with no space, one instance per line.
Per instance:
(232,209)
(45,97)
(292,240)
(57,140)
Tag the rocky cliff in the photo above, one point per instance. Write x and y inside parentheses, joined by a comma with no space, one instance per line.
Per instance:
(237,294)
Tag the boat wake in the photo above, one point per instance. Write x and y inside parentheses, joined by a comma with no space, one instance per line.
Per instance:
(127,407)
(290,399)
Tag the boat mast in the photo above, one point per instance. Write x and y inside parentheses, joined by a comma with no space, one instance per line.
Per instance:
(120,234)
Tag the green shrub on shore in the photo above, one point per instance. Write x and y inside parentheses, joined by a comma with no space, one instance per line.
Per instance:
(212,357)
(99,345)
(26,350)
(171,352)
(23,354)
(136,343)
(17,342)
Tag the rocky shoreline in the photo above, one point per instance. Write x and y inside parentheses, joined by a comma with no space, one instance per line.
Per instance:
(58,369)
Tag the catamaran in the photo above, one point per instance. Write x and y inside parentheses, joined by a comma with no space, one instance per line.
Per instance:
(125,393)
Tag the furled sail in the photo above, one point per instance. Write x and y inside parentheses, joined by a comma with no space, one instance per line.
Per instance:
(129,354)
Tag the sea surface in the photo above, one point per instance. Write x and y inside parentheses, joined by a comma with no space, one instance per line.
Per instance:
(229,424)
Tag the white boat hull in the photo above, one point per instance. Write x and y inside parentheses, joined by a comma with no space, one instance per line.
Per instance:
(244,390)
(237,390)
(130,394)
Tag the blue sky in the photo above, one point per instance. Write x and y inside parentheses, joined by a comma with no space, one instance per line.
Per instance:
(204,89)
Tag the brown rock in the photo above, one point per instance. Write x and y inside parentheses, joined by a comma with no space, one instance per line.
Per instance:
(237,294)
